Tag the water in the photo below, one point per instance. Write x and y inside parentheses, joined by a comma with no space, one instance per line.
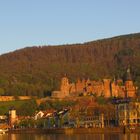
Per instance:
(70,137)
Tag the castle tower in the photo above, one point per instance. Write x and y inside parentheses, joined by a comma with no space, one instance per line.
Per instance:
(12,117)
(89,86)
(107,88)
(79,86)
(128,75)
(114,89)
(65,87)
(130,89)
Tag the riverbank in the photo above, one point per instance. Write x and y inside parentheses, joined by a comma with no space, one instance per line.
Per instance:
(75,130)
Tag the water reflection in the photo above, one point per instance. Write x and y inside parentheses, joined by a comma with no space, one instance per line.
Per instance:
(70,137)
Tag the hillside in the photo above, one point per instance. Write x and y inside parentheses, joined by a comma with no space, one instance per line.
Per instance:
(37,70)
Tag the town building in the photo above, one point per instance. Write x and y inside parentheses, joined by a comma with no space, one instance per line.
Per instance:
(127,112)
(93,117)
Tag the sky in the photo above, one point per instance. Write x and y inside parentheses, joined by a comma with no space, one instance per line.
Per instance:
(25,23)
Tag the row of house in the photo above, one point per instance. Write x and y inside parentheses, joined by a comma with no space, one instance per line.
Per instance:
(122,112)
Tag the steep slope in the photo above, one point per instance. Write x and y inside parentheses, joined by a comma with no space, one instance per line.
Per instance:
(36,70)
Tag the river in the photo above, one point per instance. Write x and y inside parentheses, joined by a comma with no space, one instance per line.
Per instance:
(70,137)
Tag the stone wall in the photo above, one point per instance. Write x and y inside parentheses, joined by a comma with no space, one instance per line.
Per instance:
(12,98)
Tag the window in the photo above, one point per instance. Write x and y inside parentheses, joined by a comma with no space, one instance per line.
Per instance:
(121,107)
(134,113)
(134,120)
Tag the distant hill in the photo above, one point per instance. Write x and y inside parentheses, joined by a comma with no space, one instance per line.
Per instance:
(37,70)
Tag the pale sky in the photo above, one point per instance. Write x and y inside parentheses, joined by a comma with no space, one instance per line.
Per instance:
(51,22)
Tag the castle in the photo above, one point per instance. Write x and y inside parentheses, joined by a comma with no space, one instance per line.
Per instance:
(106,87)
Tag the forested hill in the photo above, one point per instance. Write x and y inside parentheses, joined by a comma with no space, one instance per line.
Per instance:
(37,70)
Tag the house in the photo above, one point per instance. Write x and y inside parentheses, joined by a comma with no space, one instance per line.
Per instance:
(39,115)
(44,114)
(128,113)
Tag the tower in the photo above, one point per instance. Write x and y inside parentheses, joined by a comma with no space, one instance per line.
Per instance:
(128,75)
(114,89)
(130,89)
(107,88)
(12,117)
(65,86)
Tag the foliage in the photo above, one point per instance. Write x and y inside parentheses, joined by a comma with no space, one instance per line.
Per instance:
(27,108)
(55,104)
(101,100)
(45,106)
(2,92)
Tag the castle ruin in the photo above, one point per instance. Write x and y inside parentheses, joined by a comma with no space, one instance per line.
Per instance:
(106,87)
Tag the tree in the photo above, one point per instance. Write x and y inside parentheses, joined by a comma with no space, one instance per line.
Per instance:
(28,108)
(2,92)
